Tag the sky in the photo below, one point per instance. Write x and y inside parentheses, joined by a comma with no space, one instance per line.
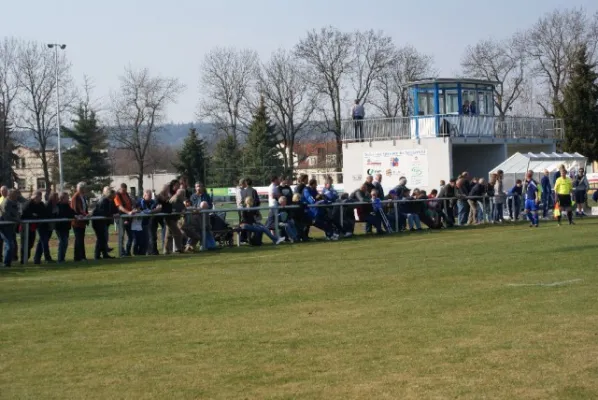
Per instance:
(170,38)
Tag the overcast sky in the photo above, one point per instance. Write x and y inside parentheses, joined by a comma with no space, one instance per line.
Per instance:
(171,37)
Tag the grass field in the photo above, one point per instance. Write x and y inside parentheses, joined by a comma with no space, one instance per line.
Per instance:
(496,312)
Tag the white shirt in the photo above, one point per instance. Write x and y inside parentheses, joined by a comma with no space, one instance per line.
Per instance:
(272,195)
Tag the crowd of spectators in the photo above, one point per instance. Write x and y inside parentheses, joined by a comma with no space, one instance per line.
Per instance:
(293,212)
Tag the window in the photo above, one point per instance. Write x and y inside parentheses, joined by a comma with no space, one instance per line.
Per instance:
(441,109)
(426,103)
(21,183)
(312,160)
(41,184)
(331,159)
(19,163)
(133,191)
(452,101)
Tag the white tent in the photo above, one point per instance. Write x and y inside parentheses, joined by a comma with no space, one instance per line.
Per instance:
(518,164)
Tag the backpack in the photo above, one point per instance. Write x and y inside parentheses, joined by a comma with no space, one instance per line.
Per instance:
(255,238)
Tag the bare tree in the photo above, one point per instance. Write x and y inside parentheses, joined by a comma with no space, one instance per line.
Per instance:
(551,44)
(290,98)
(37,70)
(9,89)
(329,55)
(391,96)
(138,109)
(500,61)
(373,53)
(227,78)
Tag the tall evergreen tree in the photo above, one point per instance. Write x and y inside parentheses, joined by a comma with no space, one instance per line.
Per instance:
(192,158)
(261,157)
(87,160)
(224,166)
(579,108)
(7,157)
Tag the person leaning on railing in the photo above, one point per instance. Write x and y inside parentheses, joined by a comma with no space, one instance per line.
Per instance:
(9,212)
(448,191)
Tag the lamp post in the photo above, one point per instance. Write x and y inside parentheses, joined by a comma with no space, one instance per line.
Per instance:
(57,46)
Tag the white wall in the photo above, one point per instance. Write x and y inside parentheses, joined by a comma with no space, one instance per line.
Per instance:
(150,181)
(438,161)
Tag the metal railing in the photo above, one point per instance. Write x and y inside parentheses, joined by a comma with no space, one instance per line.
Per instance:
(451,125)
(120,219)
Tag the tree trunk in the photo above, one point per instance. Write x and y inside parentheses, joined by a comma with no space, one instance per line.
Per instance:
(45,167)
(339,157)
(140,180)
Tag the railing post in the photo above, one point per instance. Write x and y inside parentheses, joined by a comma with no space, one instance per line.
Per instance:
(121,233)
(342,217)
(25,244)
(484,209)
(276,221)
(203,231)
(396,208)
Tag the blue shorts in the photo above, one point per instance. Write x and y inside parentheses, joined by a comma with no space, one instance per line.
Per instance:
(531,205)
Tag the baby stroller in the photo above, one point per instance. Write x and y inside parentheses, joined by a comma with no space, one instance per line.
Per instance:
(223,232)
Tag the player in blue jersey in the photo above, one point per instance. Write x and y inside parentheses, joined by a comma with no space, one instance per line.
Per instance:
(533,194)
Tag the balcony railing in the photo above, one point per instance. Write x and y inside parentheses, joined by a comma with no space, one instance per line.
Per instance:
(464,126)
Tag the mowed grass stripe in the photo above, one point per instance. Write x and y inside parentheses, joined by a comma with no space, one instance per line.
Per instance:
(424,315)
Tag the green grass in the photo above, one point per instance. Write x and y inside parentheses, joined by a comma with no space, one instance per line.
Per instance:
(425,315)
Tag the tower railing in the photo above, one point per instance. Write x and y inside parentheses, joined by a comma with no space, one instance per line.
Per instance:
(451,125)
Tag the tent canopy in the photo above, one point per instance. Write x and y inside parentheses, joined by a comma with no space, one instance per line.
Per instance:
(519,163)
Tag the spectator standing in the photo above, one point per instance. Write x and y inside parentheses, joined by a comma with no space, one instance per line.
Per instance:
(477,191)
(33,210)
(581,185)
(200,195)
(104,208)
(240,199)
(463,189)
(448,192)
(273,192)
(173,232)
(358,114)
(146,206)
(546,193)
(124,203)
(63,229)
(514,200)
(9,212)
(499,197)
(301,183)
(79,206)
(45,230)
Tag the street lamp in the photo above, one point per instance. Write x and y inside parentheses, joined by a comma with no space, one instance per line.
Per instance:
(57,46)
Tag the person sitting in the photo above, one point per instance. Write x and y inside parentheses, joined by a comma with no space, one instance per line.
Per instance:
(285,220)
(200,195)
(375,218)
(409,211)
(316,214)
(249,222)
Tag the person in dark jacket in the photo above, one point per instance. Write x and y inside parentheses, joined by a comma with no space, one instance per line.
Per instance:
(514,200)
(249,222)
(9,212)
(476,192)
(285,190)
(63,229)
(317,214)
(200,195)
(45,229)
(34,209)
(301,183)
(448,191)
(104,208)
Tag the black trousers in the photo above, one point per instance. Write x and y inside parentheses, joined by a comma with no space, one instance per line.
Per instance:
(101,248)
(31,241)
(153,234)
(79,248)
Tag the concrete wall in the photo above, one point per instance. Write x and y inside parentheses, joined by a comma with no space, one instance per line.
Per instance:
(477,159)
(438,161)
